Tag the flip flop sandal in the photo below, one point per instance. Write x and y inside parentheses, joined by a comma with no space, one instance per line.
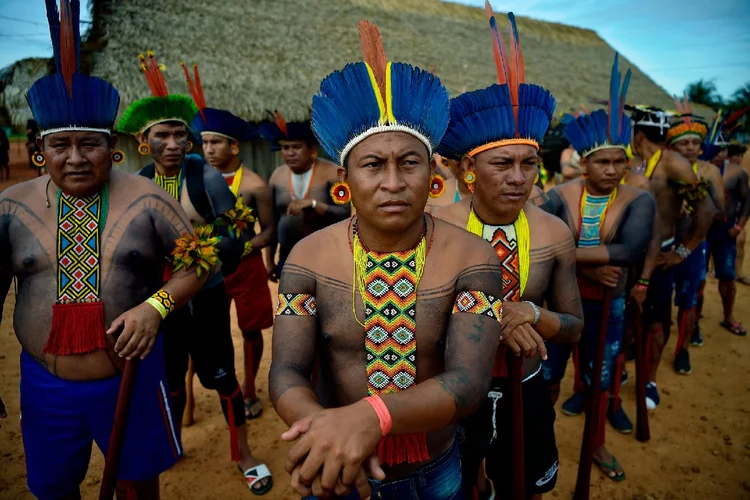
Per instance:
(745,280)
(250,405)
(255,474)
(607,468)
(734,328)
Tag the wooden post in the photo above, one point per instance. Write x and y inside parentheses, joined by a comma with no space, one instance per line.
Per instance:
(117,436)
(187,414)
(515,379)
(583,482)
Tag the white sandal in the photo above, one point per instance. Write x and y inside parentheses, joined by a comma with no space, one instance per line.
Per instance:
(255,474)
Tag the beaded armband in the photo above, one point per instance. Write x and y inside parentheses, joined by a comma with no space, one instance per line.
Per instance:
(296,304)
(196,251)
(642,282)
(163,302)
(237,220)
(476,302)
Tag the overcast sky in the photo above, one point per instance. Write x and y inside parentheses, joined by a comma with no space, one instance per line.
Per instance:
(674,41)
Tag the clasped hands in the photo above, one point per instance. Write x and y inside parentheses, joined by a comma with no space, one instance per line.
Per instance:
(518,333)
(335,451)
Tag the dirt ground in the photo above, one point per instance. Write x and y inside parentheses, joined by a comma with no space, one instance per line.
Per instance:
(700,446)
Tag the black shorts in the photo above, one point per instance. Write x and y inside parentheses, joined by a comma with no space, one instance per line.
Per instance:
(540,449)
(201,330)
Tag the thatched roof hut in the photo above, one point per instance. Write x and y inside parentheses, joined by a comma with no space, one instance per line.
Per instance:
(15,80)
(266,54)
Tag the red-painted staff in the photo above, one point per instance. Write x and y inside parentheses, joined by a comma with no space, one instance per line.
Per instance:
(642,363)
(583,482)
(515,379)
(117,436)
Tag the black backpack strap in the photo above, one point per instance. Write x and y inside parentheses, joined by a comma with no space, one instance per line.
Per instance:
(196,188)
(149,171)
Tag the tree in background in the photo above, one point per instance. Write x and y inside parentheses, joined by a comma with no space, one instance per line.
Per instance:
(704,92)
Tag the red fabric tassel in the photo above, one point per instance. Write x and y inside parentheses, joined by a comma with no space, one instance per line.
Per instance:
(618,382)
(601,421)
(397,449)
(681,329)
(77,328)
(234,446)
(500,369)
(577,376)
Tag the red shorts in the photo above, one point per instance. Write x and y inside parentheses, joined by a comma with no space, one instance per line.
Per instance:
(248,287)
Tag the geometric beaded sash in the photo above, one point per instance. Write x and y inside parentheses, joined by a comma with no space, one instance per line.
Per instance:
(390,321)
(171,184)
(79,222)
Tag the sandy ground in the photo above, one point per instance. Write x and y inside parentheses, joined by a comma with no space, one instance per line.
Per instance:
(700,445)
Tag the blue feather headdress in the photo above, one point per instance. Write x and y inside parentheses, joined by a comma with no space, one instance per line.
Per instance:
(720,134)
(278,129)
(603,129)
(215,121)
(375,96)
(510,112)
(69,100)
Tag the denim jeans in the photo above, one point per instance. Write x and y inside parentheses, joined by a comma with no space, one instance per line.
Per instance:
(558,354)
(438,480)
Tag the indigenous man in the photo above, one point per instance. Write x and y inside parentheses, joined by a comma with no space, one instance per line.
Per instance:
(86,245)
(497,146)
(670,176)
(389,281)
(203,330)
(685,137)
(612,224)
(736,153)
(722,238)
(221,132)
(301,189)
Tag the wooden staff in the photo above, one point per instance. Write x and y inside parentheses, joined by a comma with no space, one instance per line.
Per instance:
(642,432)
(583,482)
(515,379)
(117,436)
(187,413)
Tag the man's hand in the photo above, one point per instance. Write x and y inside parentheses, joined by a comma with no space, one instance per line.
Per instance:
(734,232)
(524,339)
(139,328)
(3,414)
(668,259)
(273,272)
(338,441)
(608,276)
(514,315)
(638,294)
(296,207)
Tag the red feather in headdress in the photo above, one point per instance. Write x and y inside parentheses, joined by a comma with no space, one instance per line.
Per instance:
(67,45)
(153,74)
(732,119)
(498,49)
(196,89)
(278,118)
(373,53)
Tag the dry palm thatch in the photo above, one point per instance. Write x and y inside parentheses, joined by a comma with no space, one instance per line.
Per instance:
(272,54)
(15,80)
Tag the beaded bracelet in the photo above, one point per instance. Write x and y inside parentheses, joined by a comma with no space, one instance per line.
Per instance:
(163,302)
(643,282)
(248,249)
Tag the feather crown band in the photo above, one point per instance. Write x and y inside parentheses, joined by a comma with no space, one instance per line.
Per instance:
(160,107)
(603,129)
(69,100)
(212,120)
(278,129)
(506,113)
(376,96)
(687,124)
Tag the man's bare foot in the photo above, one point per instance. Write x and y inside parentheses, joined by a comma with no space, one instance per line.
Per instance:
(608,464)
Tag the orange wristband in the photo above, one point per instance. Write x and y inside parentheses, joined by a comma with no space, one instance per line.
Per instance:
(382,412)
